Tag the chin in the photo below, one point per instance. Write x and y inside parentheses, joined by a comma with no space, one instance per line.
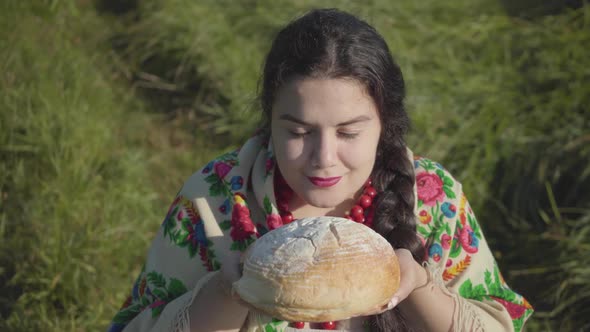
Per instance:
(322,202)
(323,206)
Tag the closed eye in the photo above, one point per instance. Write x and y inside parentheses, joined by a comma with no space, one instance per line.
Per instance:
(341,134)
(347,136)
(298,134)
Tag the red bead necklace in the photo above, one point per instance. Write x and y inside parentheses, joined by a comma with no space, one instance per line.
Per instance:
(362,212)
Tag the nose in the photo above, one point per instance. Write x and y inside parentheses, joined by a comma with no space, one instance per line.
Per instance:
(324,151)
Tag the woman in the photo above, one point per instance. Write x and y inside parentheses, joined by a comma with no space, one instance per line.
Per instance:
(332,144)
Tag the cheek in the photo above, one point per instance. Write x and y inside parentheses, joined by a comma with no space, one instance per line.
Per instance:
(293,150)
(287,151)
(359,155)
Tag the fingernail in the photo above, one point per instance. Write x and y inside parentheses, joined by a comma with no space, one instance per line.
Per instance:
(393,302)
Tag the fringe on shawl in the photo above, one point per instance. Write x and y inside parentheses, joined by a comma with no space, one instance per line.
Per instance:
(182,322)
(465,317)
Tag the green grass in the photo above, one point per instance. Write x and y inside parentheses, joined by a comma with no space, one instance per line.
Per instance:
(79,205)
(102,117)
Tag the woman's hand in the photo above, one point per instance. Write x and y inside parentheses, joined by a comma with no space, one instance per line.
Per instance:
(231,270)
(215,307)
(412,276)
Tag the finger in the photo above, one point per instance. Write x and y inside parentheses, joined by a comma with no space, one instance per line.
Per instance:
(406,285)
(392,303)
(404,290)
(232,272)
(232,267)
(381,309)
(408,276)
(236,297)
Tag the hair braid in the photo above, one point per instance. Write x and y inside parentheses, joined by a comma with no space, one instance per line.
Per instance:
(393,177)
(394,215)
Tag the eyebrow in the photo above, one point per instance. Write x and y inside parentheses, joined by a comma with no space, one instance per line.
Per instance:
(291,118)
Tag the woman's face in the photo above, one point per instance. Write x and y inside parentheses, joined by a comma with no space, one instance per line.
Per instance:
(325,134)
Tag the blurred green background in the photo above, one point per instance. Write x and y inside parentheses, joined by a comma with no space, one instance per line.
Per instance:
(107,106)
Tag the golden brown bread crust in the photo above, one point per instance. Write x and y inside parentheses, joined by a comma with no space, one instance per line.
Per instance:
(319,269)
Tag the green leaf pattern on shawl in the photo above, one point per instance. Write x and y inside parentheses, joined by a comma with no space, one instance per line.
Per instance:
(151,291)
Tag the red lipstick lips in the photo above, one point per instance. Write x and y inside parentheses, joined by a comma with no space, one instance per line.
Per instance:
(324,182)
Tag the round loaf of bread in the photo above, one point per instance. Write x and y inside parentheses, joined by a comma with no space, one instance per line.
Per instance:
(319,269)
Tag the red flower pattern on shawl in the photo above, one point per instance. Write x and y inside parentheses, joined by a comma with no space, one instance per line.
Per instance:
(221,169)
(242,227)
(273,221)
(515,310)
(430,188)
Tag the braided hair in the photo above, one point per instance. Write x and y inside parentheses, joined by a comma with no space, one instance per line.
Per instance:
(329,43)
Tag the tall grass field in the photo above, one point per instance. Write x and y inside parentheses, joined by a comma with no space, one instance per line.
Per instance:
(106,107)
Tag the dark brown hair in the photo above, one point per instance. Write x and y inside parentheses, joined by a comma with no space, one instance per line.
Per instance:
(329,43)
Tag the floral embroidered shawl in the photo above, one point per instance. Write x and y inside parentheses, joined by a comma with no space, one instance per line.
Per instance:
(214,212)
